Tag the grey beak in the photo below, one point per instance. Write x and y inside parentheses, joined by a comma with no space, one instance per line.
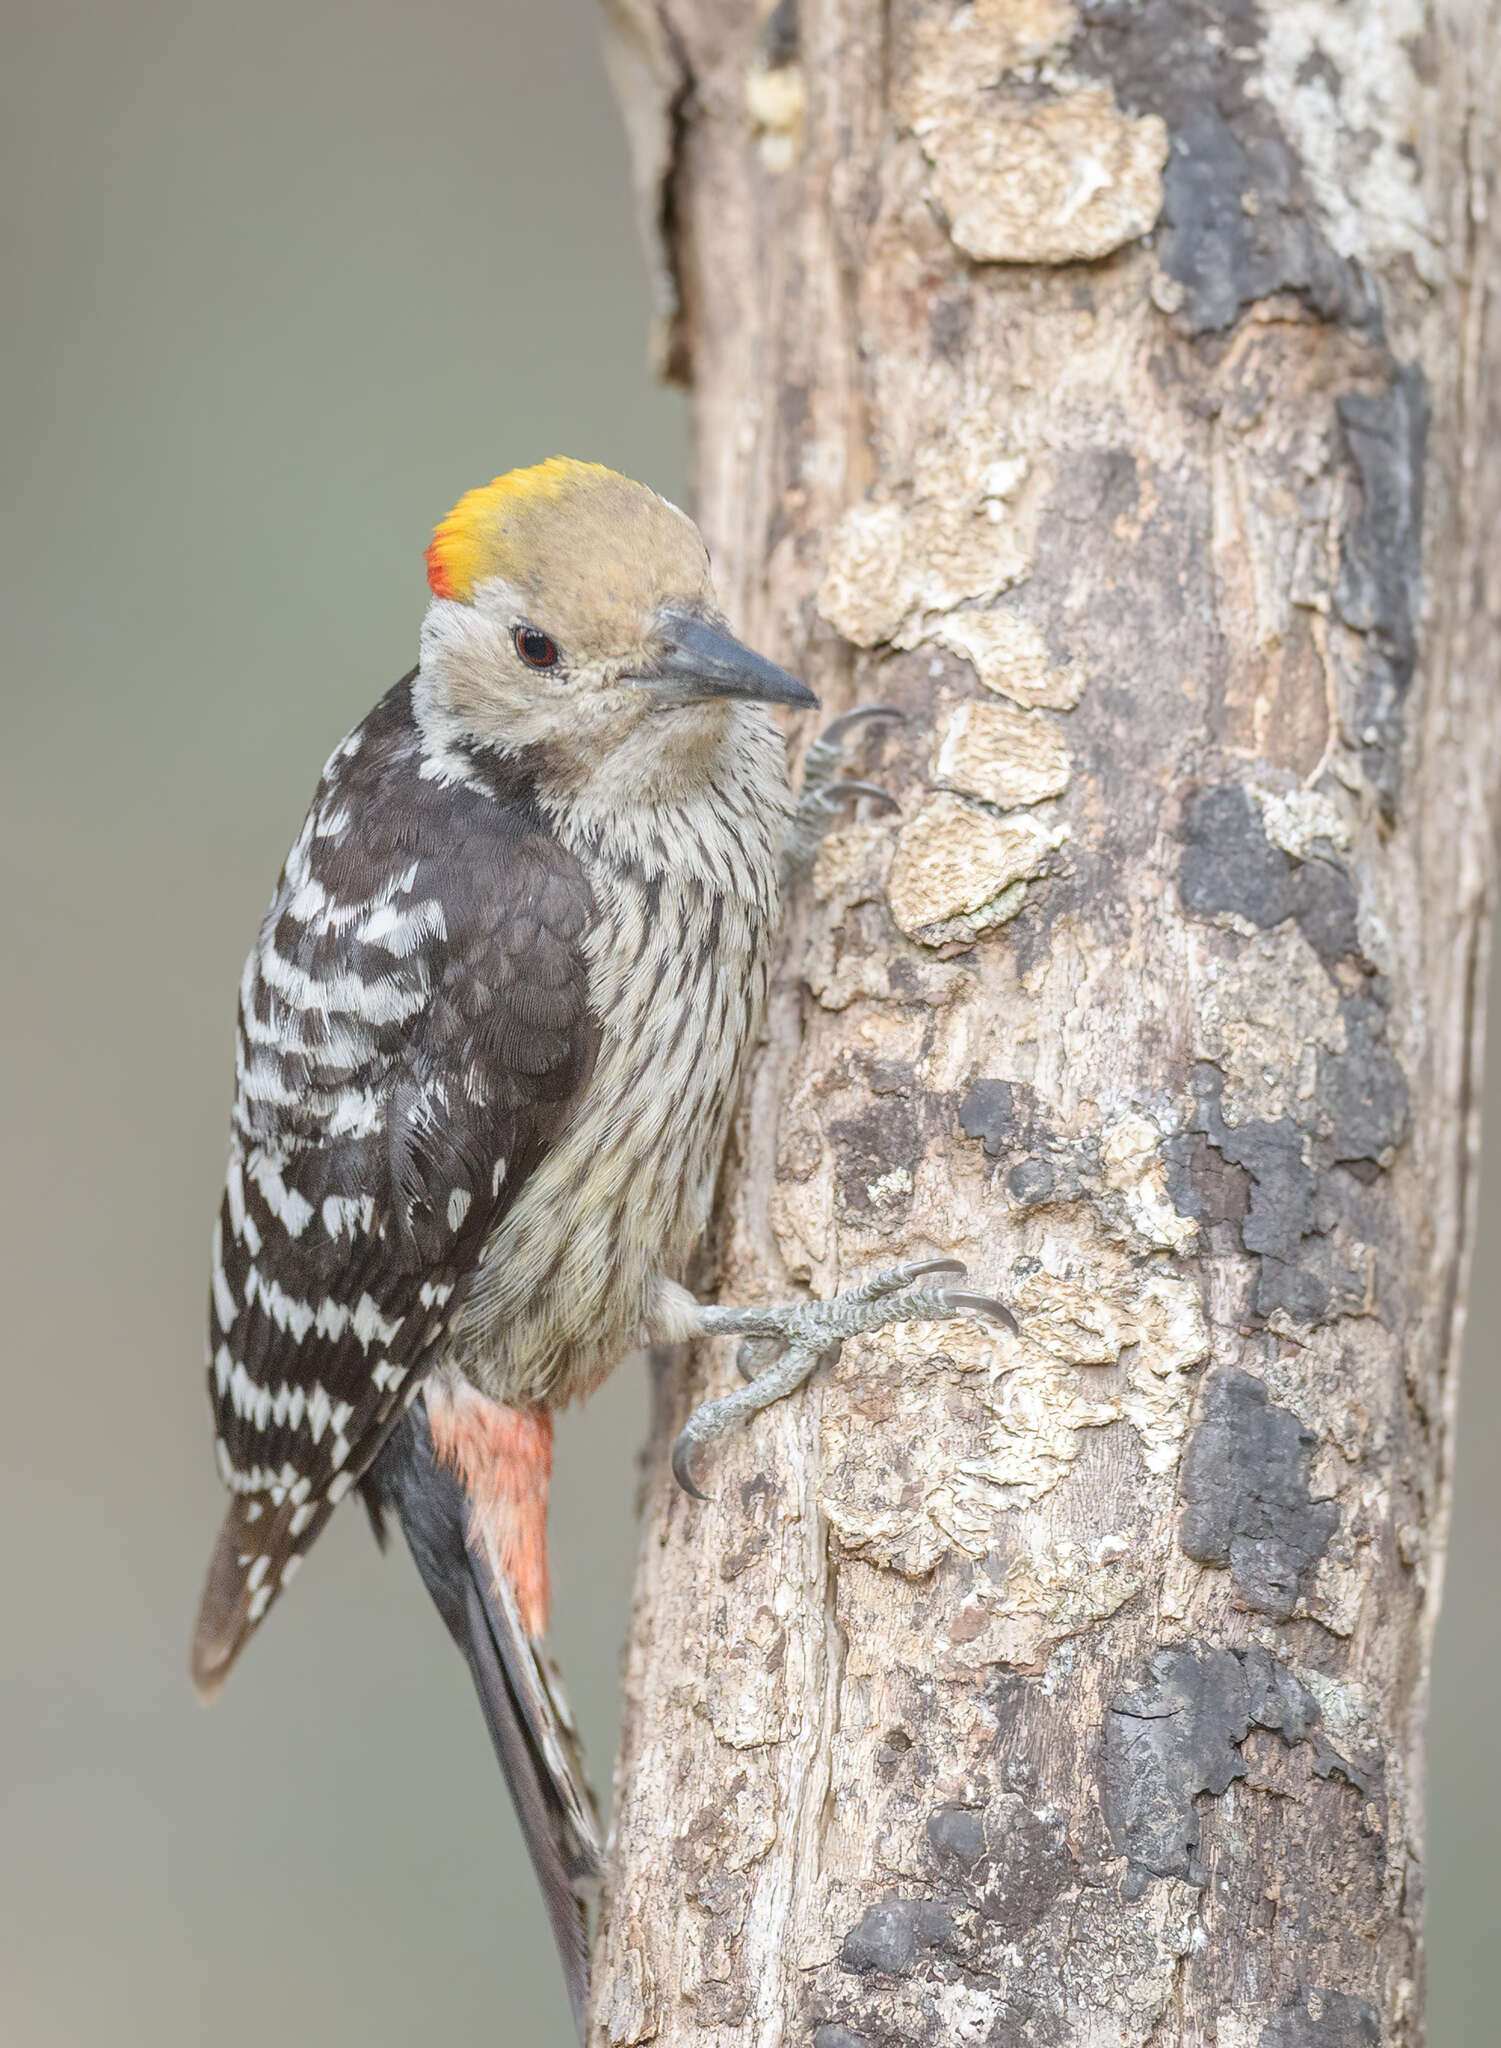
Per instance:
(697,661)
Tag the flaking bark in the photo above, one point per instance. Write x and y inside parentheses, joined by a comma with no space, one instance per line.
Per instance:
(1115,389)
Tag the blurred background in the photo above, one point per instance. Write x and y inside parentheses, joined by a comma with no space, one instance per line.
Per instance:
(281,281)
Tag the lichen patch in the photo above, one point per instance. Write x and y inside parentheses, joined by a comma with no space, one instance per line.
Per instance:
(1347,97)
(1065,180)
(1134,1169)
(959,871)
(1263,1017)
(1040,1599)
(1060,175)
(901,1495)
(963,529)
(1004,757)
(1010,657)
(1301,821)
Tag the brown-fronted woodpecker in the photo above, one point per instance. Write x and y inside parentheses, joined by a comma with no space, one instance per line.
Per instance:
(489,1043)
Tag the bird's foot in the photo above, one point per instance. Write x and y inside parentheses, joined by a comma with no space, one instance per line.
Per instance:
(783,1345)
(825,788)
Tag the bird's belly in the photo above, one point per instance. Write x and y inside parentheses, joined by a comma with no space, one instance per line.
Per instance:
(568,1281)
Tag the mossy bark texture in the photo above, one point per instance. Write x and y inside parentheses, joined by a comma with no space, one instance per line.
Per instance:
(1114,388)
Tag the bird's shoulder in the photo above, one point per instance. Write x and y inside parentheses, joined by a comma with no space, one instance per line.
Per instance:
(427,915)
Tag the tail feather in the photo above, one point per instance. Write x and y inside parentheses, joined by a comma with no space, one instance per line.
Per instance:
(522,1701)
(259,1549)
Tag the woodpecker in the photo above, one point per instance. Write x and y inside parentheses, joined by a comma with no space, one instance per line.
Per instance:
(489,1042)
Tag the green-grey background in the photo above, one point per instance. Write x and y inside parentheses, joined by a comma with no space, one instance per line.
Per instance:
(280,281)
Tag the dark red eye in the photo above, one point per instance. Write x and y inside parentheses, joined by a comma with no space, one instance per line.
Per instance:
(535,649)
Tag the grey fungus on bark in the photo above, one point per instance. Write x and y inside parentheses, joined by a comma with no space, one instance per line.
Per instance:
(1180,1734)
(1248,1503)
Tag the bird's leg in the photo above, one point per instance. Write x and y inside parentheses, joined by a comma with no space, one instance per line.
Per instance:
(824,789)
(785,1343)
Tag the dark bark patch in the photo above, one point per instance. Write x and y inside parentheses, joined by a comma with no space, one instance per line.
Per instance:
(838,2037)
(1358,1112)
(885,1135)
(949,324)
(1203,1183)
(992,1113)
(1238,221)
(1323,2019)
(1246,1494)
(1379,593)
(890,1935)
(777,45)
(957,1834)
(1229,866)
(1280,1211)
(1011,1862)
(1012,1123)
(1179,1736)
(1362,1090)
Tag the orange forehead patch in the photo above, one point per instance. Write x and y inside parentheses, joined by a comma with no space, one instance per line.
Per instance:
(475,541)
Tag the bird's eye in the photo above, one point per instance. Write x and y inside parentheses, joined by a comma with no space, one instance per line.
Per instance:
(535,649)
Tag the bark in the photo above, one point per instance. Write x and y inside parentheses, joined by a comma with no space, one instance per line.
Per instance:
(1113,388)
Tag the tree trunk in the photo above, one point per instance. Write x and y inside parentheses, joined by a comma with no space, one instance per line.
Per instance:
(1113,388)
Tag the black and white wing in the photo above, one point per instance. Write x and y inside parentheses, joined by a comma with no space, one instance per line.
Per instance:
(414,1028)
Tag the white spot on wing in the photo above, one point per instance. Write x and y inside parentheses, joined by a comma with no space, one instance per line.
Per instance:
(400,931)
(458,1207)
(291,1210)
(347,1212)
(224,1300)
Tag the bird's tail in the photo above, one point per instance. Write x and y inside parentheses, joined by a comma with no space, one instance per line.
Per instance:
(468,1481)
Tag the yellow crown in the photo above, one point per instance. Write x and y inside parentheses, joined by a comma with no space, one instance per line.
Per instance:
(479,537)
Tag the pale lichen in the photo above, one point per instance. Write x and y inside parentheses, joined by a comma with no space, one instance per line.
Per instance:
(901,1495)
(1010,657)
(1039,1600)
(1027,176)
(959,871)
(967,530)
(1134,1169)
(1345,88)
(776,98)
(1066,180)
(1263,1017)
(1299,820)
(1004,757)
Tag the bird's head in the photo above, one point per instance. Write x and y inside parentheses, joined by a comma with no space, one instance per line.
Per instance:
(573,609)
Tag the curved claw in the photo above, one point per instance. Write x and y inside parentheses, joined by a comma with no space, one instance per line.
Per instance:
(921,1266)
(756,1353)
(834,793)
(983,1305)
(682,1466)
(847,720)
